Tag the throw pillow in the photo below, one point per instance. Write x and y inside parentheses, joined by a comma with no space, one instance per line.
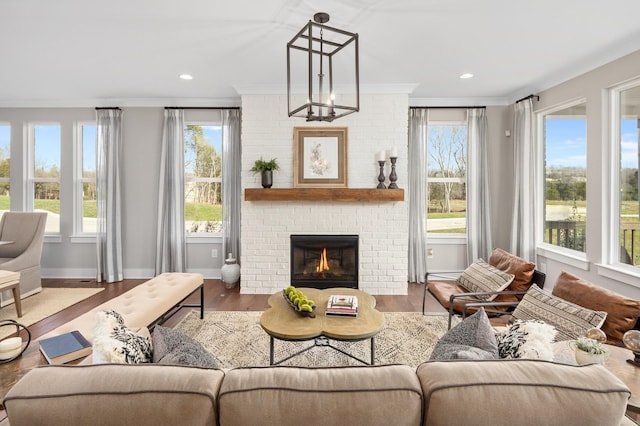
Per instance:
(113,342)
(527,339)
(480,276)
(511,264)
(473,338)
(570,320)
(173,347)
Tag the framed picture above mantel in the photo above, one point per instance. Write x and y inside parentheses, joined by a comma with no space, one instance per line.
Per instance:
(320,157)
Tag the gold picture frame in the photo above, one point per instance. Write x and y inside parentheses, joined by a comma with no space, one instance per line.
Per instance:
(320,157)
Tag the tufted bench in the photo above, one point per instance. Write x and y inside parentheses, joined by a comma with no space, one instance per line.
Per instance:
(145,305)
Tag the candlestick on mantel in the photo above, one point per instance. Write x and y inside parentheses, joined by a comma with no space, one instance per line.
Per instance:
(393,177)
(381,175)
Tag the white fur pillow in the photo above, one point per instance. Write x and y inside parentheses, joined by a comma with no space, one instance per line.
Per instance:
(527,339)
(113,342)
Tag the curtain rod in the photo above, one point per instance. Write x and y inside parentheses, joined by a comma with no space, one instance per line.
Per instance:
(99,108)
(528,97)
(177,107)
(446,107)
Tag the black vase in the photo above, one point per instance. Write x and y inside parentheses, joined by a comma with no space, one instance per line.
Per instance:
(267,178)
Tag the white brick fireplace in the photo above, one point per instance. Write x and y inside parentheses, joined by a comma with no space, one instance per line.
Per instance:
(382,226)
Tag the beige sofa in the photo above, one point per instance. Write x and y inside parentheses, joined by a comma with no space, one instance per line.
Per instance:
(495,392)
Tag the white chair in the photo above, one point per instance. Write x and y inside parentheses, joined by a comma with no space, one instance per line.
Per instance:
(25,232)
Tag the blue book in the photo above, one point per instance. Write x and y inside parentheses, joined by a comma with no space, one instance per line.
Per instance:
(65,347)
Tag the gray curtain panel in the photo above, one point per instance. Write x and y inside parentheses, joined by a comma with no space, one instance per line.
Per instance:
(417,190)
(479,240)
(108,193)
(170,243)
(523,242)
(231,185)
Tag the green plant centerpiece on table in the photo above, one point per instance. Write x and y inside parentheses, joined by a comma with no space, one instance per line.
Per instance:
(590,351)
(299,301)
(265,168)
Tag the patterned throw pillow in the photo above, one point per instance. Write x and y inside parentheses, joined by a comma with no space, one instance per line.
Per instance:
(526,339)
(113,342)
(473,338)
(570,320)
(480,276)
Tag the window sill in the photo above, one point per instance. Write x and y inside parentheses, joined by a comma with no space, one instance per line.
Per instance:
(204,238)
(566,256)
(83,239)
(52,238)
(624,274)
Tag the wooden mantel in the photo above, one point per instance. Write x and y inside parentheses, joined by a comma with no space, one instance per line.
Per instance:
(323,194)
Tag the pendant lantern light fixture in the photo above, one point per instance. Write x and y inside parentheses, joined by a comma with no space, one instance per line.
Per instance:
(323,80)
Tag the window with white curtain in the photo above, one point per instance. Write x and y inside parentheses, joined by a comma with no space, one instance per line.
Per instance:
(203,178)
(5,166)
(625,223)
(44,172)
(85,189)
(563,134)
(447,172)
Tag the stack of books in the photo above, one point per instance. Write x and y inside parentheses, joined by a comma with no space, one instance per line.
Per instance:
(340,305)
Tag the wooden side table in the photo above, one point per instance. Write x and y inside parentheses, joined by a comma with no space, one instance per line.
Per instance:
(11,280)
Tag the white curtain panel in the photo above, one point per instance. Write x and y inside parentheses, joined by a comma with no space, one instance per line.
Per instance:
(108,193)
(523,242)
(417,190)
(231,185)
(170,243)
(479,241)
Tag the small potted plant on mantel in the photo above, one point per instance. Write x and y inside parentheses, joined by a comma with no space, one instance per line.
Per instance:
(265,168)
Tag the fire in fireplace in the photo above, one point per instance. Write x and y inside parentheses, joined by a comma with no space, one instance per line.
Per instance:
(324,261)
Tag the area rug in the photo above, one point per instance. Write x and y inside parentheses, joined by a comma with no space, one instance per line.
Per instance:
(41,305)
(236,339)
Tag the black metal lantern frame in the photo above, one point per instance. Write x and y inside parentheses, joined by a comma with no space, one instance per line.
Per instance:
(325,53)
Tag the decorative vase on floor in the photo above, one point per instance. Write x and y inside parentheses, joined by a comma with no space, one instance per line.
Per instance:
(267,178)
(230,272)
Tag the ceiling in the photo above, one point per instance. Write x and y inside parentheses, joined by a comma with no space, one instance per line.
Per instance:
(131,52)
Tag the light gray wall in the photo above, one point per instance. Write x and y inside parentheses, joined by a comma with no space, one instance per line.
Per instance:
(69,257)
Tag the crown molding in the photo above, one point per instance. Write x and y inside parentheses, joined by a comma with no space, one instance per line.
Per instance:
(121,102)
(447,102)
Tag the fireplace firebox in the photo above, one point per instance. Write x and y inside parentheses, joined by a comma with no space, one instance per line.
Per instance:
(324,261)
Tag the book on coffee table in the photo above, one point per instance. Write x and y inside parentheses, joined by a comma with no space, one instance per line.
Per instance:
(342,305)
(65,347)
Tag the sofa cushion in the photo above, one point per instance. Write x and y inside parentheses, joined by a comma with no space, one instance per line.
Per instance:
(526,339)
(173,347)
(520,268)
(473,338)
(570,320)
(114,342)
(513,392)
(622,312)
(115,394)
(363,395)
(480,276)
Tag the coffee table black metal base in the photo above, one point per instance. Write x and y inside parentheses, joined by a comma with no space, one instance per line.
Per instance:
(321,341)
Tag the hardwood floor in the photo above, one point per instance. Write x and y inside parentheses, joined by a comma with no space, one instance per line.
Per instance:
(217,298)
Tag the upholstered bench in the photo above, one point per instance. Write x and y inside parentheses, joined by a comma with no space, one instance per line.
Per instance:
(145,305)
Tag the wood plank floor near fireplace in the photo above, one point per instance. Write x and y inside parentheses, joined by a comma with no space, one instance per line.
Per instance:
(324,261)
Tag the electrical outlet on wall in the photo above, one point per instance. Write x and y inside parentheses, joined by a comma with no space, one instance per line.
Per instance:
(214,253)
(430,253)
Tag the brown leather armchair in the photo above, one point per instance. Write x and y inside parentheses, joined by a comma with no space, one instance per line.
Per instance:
(458,300)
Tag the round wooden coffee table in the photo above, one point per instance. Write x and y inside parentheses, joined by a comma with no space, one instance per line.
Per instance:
(281,322)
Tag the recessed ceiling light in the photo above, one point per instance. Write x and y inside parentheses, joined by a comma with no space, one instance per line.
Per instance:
(186,76)
(466,75)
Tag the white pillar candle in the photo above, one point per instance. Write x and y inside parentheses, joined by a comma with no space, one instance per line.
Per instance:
(393,152)
(380,156)
(10,348)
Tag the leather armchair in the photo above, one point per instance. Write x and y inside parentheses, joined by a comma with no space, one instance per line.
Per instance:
(26,232)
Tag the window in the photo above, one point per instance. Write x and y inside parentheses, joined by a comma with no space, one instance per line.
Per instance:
(86,205)
(45,173)
(5,166)
(564,136)
(446,173)
(203,178)
(626,234)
